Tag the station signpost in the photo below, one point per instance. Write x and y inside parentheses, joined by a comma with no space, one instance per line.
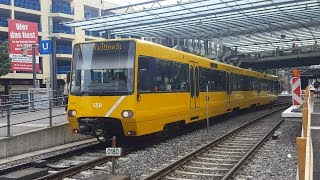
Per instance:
(113,152)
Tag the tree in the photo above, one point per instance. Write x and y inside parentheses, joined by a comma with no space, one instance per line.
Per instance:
(5,61)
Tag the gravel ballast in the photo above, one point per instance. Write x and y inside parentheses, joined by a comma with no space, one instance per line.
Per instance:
(146,160)
(276,159)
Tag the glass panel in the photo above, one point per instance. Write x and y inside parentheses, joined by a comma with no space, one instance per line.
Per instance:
(145,75)
(103,68)
(197,81)
(163,76)
(180,80)
(191,81)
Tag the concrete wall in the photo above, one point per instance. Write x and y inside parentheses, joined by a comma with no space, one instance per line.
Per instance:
(37,140)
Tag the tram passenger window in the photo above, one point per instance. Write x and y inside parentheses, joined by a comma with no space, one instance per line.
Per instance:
(157,75)
(250,83)
(212,80)
(247,86)
(216,80)
(203,79)
(162,78)
(234,82)
(237,84)
(179,77)
(207,77)
(144,75)
(171,76)
(265,83)
(259,88)
(256,84)
(274,86)
(240,83)
(221,83)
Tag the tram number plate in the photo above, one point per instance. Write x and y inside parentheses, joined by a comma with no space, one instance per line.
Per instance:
(113,151)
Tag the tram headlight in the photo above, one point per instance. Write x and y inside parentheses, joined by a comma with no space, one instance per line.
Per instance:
(127,114)
(72,113)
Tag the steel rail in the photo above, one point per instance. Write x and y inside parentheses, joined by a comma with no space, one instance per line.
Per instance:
(40,162)
(72,171)
(171,167)
(85,166)
(246,156)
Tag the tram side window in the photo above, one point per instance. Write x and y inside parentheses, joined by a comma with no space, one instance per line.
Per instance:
(216,80)
(222,81)
(249,83)
(241,83)
(255,83)
(259,87)
(144,74)
(204,73)
(270,85)
(234,83)
(277,86)
(237,84)
(157,75)
(264,85)
(274,86)
(171,76)
(179,77)
(163,76)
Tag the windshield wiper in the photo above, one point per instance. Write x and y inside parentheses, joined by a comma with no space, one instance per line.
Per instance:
(111,93)
(86,89)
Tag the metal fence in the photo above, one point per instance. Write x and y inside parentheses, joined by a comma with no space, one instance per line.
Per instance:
(24,103)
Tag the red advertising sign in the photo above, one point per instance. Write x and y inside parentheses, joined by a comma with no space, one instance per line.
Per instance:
(22,33)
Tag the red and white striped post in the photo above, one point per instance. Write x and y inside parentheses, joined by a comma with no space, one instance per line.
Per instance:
(296,91)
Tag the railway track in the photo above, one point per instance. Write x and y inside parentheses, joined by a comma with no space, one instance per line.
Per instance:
(69,163)
(52,158)
(221,158)
(83,166)
(90,158)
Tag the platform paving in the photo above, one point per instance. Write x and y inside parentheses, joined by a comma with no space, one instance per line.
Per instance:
(19,116)
(292,112)
(315,134)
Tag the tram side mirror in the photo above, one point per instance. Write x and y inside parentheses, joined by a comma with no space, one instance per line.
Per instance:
(138,97)
(68,77)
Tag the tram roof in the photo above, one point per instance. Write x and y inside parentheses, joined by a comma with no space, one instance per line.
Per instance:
(249,25)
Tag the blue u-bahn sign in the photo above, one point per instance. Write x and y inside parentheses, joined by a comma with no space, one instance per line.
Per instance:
(45,47)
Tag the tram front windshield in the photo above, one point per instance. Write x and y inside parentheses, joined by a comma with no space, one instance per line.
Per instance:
(103,68)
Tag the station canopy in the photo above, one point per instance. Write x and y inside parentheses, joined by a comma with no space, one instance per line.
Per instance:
(249,25)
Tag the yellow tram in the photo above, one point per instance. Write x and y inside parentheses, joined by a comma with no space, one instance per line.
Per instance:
(132,87)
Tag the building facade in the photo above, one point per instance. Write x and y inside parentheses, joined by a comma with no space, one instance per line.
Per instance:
(48,14)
